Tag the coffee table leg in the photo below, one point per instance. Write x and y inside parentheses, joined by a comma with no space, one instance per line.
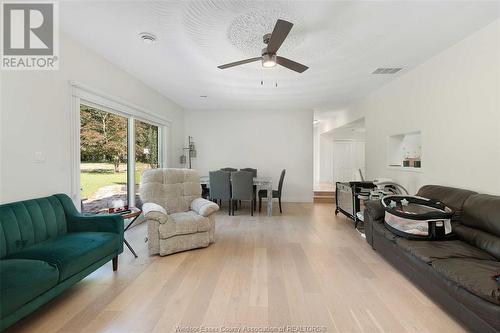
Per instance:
(270,201)
(125,241)
(130,247)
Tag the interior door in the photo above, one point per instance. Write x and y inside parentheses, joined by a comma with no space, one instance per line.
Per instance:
(348,158)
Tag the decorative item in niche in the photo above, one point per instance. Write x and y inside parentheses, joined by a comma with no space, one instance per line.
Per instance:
(405,150)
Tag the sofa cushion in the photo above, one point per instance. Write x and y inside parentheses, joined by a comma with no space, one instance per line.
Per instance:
(480,239)
(72,252)
(482,213)
(22,280)
(450,196)
(183,223)
(29,222)
(428,251)
(473,275)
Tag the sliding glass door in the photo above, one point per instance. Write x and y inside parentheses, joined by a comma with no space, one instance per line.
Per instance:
(106,141)
(146,151)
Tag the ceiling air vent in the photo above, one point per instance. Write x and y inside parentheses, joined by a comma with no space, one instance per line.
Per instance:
(383,70)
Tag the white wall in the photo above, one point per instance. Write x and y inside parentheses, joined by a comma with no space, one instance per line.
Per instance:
(326,159)
(35,113)
(316,154)
(454,99)
(268,140)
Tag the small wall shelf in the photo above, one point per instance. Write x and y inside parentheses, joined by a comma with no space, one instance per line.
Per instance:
(407,169)
(404,151)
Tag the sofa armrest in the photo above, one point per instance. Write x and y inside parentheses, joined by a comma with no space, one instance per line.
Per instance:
(79,222)
(374,211)
(101,222)
(204,207)
(154,212)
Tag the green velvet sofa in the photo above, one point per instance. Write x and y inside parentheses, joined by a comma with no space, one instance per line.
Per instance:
(46,246)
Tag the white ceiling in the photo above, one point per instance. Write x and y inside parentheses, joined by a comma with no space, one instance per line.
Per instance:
(341,42)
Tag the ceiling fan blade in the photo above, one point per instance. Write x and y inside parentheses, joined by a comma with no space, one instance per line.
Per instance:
(241,62)
(290,64)
(281,30)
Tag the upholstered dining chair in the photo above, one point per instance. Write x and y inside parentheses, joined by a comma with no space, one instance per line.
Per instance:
(254,171)
(242,188)
(229,169)
(276,193)
(220,187)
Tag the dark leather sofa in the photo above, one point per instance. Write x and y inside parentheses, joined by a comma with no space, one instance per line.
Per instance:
(456,273)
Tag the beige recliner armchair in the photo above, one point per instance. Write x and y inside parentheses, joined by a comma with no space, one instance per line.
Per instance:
(178,218)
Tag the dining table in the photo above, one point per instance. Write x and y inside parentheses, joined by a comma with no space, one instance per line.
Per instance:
(262,183)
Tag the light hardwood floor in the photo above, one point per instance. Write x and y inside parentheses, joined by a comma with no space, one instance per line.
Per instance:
(305,267)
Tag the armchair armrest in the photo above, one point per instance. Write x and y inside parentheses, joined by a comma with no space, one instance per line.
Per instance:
(155,212)
(204,207)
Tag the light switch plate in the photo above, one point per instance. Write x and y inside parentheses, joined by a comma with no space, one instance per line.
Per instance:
(39,157)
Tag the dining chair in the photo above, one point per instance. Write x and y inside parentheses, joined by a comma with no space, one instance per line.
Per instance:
(229,169)
(220,186)
(276,193)
(242,188)
(254,172)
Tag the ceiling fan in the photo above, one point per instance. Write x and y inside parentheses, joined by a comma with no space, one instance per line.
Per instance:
(269,57)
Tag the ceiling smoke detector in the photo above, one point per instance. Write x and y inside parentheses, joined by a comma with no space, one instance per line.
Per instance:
(147,37)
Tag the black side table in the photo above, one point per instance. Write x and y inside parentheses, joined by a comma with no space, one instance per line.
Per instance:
(133,214)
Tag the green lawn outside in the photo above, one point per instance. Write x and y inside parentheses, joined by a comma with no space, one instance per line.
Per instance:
(96,175)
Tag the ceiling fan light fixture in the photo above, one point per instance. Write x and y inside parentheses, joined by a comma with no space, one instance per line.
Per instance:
(268,60)
(273,42)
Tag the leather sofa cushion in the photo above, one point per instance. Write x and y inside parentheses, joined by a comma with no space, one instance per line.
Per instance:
(450,196)
(473,275)
(73,252)
(183,223)
(22,280)
(482,211)
(429,251)
(480,239)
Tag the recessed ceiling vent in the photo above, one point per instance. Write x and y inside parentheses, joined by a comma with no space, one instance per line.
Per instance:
(383,70)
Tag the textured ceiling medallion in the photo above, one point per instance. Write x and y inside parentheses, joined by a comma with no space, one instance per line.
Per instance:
(246,31)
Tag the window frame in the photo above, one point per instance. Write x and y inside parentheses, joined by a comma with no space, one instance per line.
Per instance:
(82,94)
